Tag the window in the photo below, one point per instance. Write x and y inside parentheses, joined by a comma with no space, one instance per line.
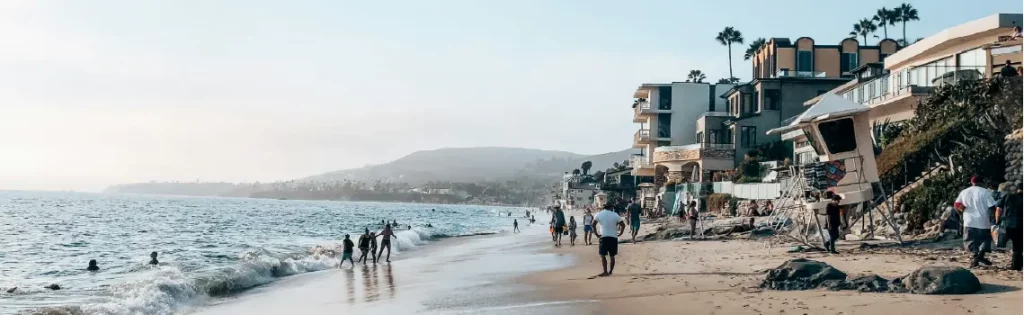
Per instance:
(804,60)
(758,104)
(848,62)
(700,136)
(748,104)
(748,136)
(714,137)
(772,99)
(664,125)
(838,135)
(665,97)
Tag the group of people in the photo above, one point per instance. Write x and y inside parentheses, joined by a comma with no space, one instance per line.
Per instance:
(985,213)
(368,245)
(607,225)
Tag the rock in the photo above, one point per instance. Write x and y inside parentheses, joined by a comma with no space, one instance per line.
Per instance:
(869,283)
(54,287)
(11,290)
(942,280)
(801,274)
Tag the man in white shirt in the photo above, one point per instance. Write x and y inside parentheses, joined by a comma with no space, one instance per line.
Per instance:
(976,203)
(609,226)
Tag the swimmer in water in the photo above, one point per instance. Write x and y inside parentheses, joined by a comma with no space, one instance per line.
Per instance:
(152,260)
(93,266)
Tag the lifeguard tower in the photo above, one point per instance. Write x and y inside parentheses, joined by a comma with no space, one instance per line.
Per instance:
(839,130)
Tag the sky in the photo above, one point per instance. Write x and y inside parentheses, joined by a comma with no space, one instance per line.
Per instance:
(101,92)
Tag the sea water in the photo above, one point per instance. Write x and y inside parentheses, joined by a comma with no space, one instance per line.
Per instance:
(208,247)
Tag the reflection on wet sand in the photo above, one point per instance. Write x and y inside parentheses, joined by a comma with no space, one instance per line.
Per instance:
(350,284)
(391,281)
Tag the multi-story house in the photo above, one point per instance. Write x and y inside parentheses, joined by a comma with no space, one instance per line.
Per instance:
(666,114)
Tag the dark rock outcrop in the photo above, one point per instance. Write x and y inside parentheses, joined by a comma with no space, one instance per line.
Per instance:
(801,274)
(942,280)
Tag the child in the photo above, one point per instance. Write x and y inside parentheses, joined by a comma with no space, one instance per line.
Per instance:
(572,231)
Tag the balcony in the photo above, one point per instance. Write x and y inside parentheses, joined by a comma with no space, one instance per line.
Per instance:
(714,114)
(642,138)
(640,161)
(695,152)
(786,73)
(878,92)
(641,111)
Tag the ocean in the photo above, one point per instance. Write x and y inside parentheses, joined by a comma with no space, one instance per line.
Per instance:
(209,248)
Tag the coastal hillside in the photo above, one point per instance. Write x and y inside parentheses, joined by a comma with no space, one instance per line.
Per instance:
(474,165)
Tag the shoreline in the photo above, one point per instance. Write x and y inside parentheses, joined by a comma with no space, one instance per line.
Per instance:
(722,277)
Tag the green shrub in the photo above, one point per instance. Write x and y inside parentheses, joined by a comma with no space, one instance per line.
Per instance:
(937,192)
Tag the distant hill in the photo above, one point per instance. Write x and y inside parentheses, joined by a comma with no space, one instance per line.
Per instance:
(474,164)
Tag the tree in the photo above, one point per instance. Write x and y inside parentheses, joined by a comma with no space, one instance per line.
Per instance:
(615,166)
(905,13)
(752,49)
(724,81)
(696,76)
(576,172)
(863,28)
(599,176)
(885,17)
(727,37)
(586,167)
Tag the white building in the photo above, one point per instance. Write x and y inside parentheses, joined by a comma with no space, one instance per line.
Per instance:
(667,114)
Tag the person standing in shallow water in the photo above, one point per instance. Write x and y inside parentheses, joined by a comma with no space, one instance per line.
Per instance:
(385,242)
(364,246)
(373,246)
(346,251)
(93,266)
(515,226)
(152,260)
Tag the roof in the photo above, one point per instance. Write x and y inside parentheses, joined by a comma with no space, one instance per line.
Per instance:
(830,105)
(954,35)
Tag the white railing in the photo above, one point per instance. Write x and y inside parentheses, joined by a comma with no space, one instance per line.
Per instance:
(786,73)
(639,161)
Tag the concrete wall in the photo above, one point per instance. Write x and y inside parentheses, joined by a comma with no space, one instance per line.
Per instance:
(689,101)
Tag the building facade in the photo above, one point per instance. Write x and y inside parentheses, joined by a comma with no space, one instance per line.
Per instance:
(665,114)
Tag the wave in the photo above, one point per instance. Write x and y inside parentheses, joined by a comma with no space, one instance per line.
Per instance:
(166,289)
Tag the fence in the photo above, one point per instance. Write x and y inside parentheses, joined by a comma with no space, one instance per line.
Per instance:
(758,191)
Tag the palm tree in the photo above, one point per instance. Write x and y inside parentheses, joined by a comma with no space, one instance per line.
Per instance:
(885,17)
(905,13)
(752,49)
(696,76)
(576,172)
(724,81)
(863,28)
(727,37)
(586,167)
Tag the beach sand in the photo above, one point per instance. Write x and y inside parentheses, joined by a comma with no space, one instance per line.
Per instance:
(721,277)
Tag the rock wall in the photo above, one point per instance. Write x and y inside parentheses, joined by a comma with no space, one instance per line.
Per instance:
(1014,157)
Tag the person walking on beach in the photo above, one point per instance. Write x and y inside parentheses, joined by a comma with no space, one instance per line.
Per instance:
(572,231)
(1008,216)
(559,219)
(975,202)
(515,226)
(833,221)
(608,223)
(588,219)
(364,246)
(346,251)
(634,210)
(385,242)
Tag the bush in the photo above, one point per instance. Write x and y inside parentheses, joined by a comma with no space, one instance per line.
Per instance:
(719,202)
(733,205)
(937,192)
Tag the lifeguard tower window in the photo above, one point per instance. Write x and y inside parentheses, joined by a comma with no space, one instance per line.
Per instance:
(838,135)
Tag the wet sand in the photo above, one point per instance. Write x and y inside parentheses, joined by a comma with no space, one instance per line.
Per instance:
(721,277)
(470,275)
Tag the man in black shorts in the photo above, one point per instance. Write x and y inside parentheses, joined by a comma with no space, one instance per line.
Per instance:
(364,246)
(610,226)
(559,218)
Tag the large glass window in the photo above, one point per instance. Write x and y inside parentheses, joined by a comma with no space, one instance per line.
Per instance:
(664,125)
(838,135)
(748,136)
(804,60)
(771,99)
(849,62)
(665,97)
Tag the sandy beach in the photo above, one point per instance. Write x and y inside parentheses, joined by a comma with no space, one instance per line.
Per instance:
(722,277)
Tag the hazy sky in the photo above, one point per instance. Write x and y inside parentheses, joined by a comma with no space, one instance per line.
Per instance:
(100,92)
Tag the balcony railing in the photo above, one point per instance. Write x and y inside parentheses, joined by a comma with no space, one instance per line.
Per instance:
(786,73)
(714,114)
(642,135)
(639,161)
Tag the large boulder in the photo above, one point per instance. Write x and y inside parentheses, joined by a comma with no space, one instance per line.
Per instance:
(801,274)
(942,280)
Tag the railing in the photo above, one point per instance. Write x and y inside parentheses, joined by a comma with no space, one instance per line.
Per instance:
(642,135)
(641,108)
(639,161)
(786,73)
(714,114)
(694,146)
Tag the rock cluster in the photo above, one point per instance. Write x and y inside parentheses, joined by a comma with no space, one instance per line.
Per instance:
(1014,157)
(804,274)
